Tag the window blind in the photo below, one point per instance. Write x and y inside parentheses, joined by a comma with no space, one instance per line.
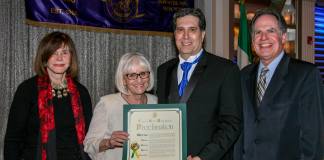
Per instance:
(319,38)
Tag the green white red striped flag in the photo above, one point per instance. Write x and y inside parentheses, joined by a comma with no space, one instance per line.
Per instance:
(244,53)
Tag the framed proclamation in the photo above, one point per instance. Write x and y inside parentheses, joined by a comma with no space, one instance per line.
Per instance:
(156,132)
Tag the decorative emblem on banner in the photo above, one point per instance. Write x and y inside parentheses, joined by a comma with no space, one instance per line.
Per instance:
(123,11)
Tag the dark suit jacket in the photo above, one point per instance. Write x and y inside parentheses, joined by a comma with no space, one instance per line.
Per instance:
(287,124)
(214,106)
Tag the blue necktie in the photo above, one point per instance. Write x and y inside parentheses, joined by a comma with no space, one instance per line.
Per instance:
(185,66)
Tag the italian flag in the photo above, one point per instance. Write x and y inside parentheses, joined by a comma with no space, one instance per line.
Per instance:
(244,54)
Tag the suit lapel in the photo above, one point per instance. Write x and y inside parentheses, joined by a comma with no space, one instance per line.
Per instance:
(173,92)
(250,83)
(167,78)
(277,81)
(196,75)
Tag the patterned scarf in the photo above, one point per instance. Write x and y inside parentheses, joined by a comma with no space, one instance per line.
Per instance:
(46,111)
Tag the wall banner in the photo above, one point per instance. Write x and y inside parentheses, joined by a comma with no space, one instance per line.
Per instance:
(144,15)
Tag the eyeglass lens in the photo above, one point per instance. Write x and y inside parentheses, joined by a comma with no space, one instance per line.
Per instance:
(133,76)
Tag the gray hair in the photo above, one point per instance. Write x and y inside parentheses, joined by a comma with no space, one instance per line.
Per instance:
(126,63)
(269,11)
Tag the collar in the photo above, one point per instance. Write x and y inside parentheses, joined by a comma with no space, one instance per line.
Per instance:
(273,65)
(191,58)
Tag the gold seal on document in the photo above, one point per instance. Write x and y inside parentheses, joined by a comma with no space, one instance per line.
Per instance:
(135,146)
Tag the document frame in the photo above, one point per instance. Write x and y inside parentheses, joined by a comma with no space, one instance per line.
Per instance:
(156,132)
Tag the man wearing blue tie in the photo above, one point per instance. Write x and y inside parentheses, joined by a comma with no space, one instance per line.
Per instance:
(208,84)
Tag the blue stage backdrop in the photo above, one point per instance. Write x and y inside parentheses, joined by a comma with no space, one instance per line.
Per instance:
(145,15)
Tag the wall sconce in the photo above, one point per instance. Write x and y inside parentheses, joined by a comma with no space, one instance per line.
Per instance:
(236,10)
(290,43)
(288,12)
(250,15)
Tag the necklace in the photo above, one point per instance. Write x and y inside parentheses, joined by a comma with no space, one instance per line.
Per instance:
(60,89)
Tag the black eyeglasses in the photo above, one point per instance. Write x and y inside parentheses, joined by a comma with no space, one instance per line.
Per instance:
(133,76)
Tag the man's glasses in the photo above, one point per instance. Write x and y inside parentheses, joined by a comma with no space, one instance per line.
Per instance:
(133,76)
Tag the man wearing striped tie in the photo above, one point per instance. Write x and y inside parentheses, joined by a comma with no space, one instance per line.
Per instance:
(208,84)
(282,99)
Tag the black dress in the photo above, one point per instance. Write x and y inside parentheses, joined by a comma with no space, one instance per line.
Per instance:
(22,137)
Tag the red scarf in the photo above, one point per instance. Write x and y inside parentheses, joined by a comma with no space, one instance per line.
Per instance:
(46,110)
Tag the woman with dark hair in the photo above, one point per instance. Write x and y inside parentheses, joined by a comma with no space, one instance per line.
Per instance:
(50,112)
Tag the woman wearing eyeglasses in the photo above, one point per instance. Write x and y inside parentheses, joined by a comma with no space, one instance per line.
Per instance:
(133,78)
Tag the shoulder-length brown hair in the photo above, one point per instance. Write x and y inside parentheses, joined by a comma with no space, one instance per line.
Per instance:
(47,47)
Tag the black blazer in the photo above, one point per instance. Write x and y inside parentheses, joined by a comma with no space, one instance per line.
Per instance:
(22,136)
(287,124)
(213,98)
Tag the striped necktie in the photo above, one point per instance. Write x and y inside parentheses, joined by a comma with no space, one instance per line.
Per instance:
(261,85)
